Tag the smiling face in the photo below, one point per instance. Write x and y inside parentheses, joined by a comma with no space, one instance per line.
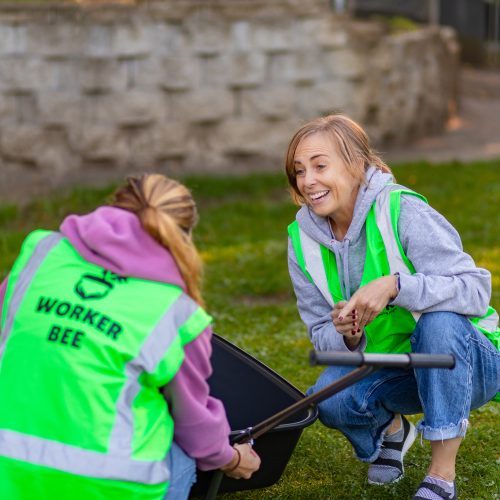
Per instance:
(323,179)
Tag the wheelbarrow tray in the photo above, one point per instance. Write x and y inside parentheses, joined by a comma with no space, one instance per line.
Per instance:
(252,392)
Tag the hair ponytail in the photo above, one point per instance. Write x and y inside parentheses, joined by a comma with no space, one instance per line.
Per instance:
(168,213)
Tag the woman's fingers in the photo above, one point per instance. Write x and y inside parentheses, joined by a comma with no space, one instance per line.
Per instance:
(347,324)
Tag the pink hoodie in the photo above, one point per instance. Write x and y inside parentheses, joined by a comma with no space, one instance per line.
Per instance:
(114,239)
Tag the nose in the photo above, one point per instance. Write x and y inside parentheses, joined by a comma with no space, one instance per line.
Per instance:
(309,177)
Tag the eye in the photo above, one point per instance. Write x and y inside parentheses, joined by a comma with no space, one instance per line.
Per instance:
(321,166)
(299,172)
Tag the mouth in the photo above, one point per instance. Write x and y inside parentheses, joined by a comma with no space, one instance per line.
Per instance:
(317,197)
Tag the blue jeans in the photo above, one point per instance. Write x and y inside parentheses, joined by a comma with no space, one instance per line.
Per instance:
(182,473)
(363,411)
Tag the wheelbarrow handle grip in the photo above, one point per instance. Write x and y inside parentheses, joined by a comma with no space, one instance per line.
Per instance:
(409,360)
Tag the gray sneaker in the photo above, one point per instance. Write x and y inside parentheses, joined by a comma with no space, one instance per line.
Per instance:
(388,467)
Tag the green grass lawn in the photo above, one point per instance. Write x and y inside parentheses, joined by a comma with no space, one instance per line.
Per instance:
(243,239)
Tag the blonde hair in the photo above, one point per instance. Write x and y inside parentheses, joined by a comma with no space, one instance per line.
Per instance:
(352,145)
(167,212)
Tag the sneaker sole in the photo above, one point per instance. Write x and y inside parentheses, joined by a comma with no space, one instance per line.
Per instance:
(412,435)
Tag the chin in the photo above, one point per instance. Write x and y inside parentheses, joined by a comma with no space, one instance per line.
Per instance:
(322,212)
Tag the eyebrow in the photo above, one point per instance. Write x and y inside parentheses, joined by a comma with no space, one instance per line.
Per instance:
(312,158)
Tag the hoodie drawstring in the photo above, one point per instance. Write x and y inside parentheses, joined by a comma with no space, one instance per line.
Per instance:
(342,258)
(345,278)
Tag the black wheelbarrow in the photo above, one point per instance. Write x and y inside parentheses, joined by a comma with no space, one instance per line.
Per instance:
(252,392)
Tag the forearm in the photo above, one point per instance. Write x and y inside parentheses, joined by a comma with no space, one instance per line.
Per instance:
(446,277)
(467,295)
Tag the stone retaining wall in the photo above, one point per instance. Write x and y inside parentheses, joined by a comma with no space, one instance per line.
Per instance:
(89,93)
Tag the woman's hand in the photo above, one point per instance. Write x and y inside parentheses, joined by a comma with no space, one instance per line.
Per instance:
(347,326)
(244,462)
(367,302)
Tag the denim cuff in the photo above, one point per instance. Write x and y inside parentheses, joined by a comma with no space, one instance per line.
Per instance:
(378,447)
(440,433)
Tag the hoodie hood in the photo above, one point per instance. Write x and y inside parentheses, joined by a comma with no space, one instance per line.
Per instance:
(318,227)
(114,239)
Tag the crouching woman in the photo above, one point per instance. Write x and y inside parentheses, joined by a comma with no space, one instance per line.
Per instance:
(104,355)
(376,269)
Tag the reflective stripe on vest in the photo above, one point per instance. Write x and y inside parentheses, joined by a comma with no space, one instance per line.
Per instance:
(152,351)
(116,463)
(75,460)
(384,223)
(314,265)
(37,257)
(489,322)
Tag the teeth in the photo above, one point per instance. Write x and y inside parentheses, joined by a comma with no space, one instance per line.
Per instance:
(316,196)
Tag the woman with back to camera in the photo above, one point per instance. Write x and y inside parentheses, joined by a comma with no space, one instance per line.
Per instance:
(376,269)
(104,355)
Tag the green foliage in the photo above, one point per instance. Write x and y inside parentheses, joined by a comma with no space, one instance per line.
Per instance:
(397,24)
(242,237)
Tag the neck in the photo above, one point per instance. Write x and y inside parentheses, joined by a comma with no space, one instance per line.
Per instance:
(339,229)
(341,220)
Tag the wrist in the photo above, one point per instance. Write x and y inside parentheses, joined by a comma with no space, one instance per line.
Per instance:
(234,463)
(395,282)
(352,343)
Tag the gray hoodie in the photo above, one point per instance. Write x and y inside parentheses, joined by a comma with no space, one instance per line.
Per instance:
(446,277)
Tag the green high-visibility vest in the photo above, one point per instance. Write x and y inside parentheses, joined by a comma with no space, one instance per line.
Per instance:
(83,355)
(391,330)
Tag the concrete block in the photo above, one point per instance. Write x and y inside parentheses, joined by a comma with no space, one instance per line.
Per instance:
(246,69)
(171,140)
(102,75)
(168,140)
(306,108)
(165,38)
(26,108)
(135,108)
(100,143)
(273,36)
(252,137)
(62,74)
(331,34)
(307,64)
(208,31)
(213,71)
(142,149)
(176,72)
(131,108)
(274,103)
(98,40)
(22,143)
(306,31)
(56,162)
(344,64)
(280,68)
(332,96)
(13,39)
(55,39)
(203,105)
(58,109)
(8,109)
(131,41)
(55,159)
(241,36)
(21,74)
